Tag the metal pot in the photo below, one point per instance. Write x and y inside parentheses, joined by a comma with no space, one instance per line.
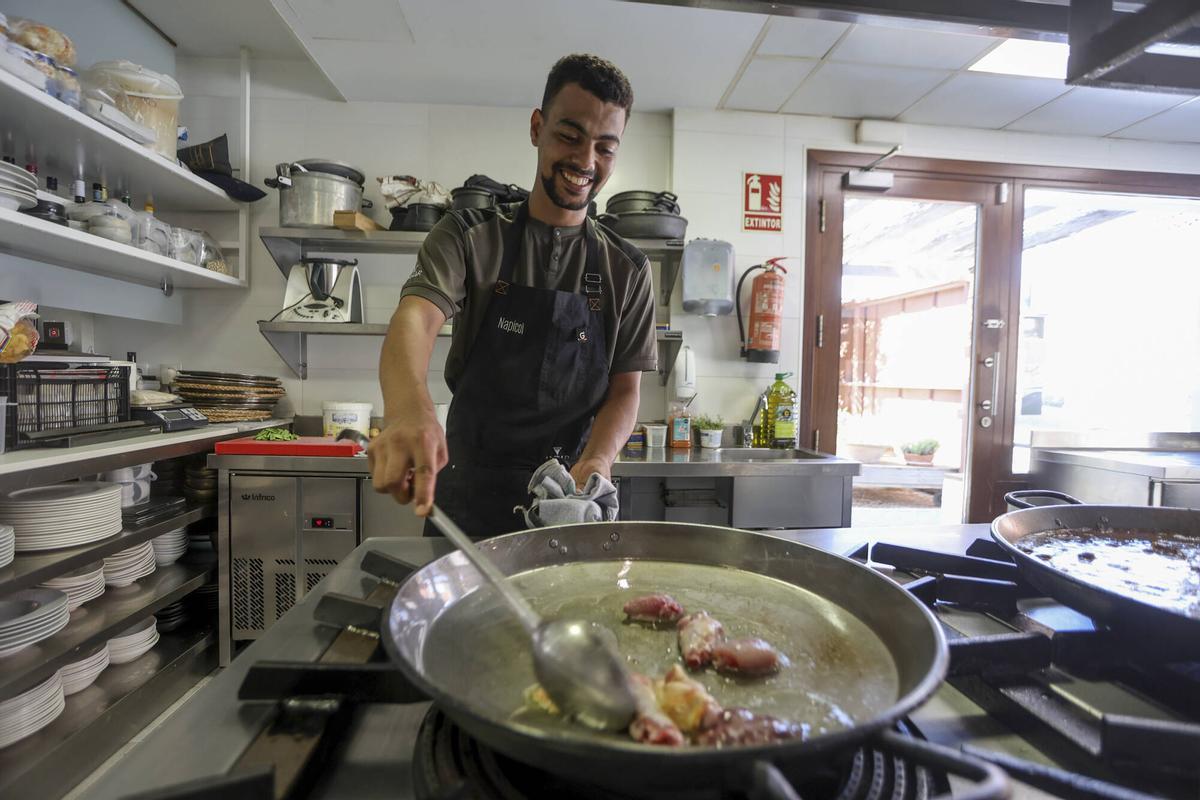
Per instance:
(648,225)
(416,217)
(633,201)
(310,191)
(323,274)
(471,197)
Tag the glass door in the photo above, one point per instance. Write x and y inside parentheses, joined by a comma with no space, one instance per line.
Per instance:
(904,291)
(907,307)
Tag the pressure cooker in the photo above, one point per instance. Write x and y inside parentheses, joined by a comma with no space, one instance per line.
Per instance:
(312,189)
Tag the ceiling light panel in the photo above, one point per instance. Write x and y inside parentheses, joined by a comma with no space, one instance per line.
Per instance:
(1031,59)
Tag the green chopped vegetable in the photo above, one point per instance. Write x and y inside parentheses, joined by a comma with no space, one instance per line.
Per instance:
(275,435)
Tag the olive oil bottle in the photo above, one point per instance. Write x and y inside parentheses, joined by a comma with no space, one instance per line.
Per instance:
(782,414)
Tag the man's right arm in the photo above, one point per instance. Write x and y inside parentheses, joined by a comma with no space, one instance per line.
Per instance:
(406,456)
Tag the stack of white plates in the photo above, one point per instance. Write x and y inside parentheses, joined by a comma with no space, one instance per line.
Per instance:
(170,546)
(18,188)
(125,567)
(8,539)
(64,515)
(82,585)
(30,711)
(80,675)
(133,642)
(29,616)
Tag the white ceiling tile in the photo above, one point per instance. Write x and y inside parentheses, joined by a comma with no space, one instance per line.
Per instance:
(1180,124)
(853,90)
(363,21)
(1088,111)
(803,38)
(489,53)
(905,47)
(768,82)
(977,100)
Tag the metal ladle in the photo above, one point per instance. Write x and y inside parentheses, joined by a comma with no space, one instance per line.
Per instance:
(575,663)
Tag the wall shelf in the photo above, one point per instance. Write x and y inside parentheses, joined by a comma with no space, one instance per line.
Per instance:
(288,245)
(67,142)
(23,235)
(290,341)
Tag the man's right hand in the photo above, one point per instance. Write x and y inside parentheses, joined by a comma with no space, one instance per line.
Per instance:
(405,459)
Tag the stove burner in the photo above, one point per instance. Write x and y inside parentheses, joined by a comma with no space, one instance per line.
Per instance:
(449,764)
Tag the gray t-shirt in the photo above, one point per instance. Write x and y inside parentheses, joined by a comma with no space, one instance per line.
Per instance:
(459,263)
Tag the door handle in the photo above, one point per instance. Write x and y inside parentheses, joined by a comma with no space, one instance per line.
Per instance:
(991,405)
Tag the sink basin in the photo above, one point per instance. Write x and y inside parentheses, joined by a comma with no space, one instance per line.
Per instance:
(766,454)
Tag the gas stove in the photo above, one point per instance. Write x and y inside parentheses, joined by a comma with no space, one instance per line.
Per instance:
(1034,688)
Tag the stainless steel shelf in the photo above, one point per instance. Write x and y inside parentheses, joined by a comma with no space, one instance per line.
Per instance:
(290,339)
(288,245)
(100,620)
(30,569)
(99,720)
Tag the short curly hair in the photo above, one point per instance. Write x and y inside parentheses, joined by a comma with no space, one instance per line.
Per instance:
(595,74)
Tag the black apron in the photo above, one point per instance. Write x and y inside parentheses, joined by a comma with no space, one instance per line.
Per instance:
(534,378)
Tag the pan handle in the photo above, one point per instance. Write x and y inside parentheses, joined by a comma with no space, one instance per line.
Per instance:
(1016,498)
(768,783)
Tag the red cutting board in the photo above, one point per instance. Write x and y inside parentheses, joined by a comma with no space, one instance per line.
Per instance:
(304,446)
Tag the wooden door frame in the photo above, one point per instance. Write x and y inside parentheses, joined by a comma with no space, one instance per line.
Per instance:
(824,166)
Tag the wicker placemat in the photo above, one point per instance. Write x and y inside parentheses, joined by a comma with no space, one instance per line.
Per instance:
(233,415)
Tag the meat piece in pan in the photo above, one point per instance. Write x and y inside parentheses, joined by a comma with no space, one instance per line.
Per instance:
(699,633)
(740,726)
(686,701)
(746,657)
(650,725)
(654,608)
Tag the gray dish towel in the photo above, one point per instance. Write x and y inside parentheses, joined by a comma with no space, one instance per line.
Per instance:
(557,501)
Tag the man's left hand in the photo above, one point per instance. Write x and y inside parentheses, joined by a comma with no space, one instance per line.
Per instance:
(584,468)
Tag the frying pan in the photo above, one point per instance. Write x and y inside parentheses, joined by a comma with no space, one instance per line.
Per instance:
(1122,610)
(862,651)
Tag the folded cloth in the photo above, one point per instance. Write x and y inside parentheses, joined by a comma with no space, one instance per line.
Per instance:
(557,500)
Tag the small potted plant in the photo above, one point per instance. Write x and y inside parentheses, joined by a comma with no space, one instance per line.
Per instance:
(711,429)
(920,452)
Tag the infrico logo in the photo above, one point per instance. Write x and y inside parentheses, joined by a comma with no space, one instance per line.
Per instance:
(258,496)
(512,327)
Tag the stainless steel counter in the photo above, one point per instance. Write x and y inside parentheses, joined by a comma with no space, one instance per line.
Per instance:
(656,462)
(733,462)
(1157,464)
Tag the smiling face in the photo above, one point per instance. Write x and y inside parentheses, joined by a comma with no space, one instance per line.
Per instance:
(577,139)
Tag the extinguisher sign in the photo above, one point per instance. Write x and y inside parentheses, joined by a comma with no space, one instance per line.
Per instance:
(762,202)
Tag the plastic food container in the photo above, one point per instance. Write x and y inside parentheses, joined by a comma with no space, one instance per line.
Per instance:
(147,97)
(69,90)
(211,257)
(338,416)
(185,245)
(656,435)
(152,234)
(711,438)
(111,227)
(20,61)
(128,474)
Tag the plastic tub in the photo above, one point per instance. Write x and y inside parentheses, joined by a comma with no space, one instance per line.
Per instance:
(337,416)
(711,438)
(147,97)
(656,435)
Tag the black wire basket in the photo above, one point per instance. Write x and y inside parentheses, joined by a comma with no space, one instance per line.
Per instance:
(49,397)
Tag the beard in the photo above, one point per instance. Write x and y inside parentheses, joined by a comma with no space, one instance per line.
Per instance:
(550,185)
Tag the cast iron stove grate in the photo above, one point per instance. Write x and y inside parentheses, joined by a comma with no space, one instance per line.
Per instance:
(448,764)
(1014,677)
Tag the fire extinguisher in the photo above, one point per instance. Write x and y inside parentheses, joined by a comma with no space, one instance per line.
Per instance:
(766,312)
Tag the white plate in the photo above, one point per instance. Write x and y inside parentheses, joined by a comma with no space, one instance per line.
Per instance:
(61,493)
(28,724)
(28,605)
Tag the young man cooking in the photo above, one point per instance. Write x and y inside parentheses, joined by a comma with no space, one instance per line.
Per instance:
(553,324)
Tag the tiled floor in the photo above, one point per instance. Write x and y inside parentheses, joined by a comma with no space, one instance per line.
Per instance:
(81,791)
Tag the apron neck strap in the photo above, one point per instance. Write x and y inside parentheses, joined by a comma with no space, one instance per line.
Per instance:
(514,240)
